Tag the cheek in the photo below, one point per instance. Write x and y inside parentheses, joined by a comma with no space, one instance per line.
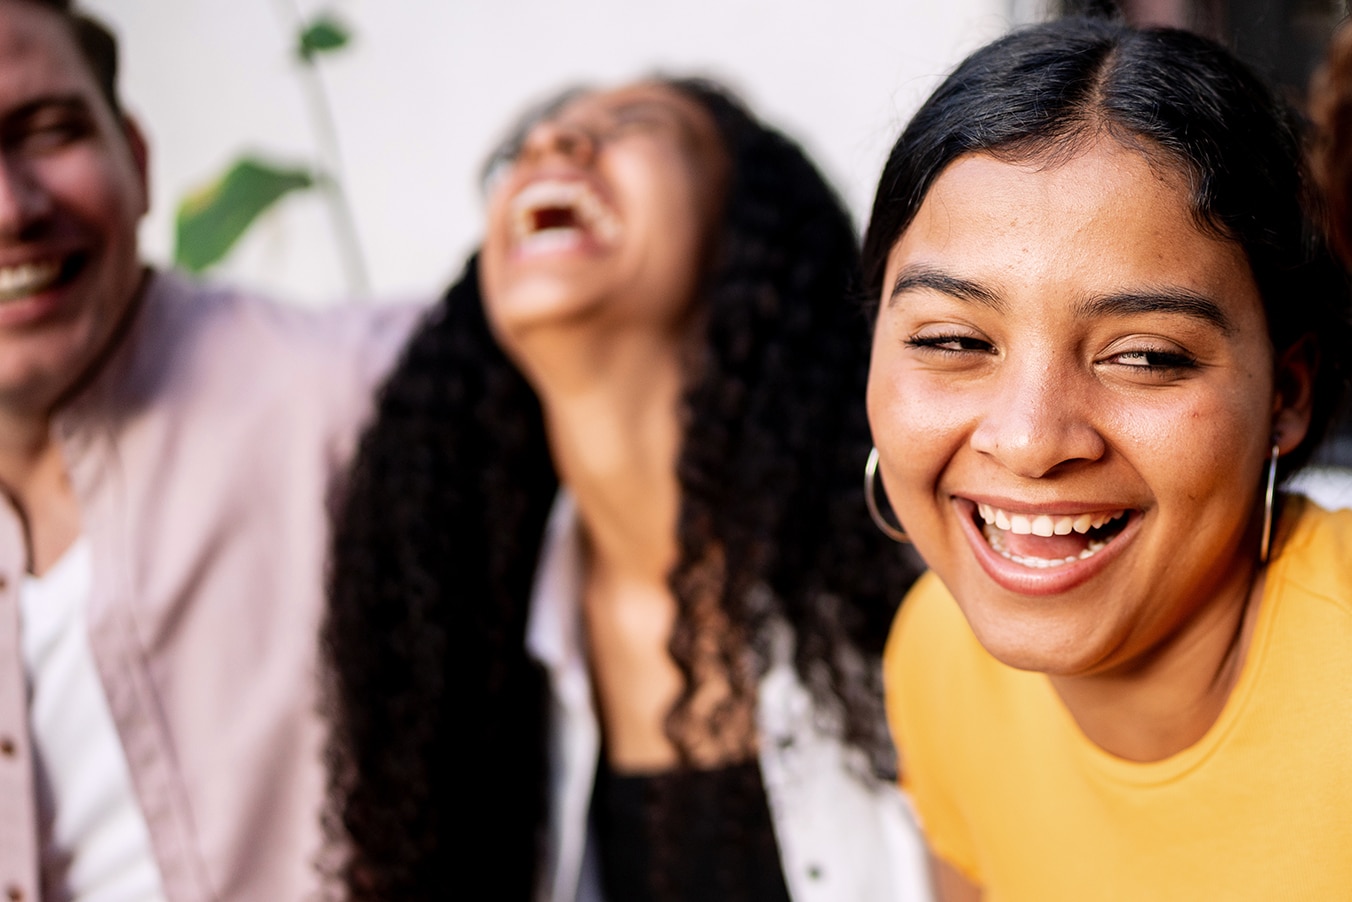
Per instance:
(917,424)
(99,189)
(1200,444)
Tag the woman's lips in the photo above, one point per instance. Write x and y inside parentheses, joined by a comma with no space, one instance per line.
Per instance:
(553,215)
(1044,552)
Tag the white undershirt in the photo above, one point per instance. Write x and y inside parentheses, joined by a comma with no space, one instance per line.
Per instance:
(95,846)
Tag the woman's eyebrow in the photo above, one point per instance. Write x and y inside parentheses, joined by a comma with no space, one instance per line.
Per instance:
(1157,300)
(912,277)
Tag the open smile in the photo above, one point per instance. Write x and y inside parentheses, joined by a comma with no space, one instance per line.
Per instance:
(553,215)
(28,288)
(21,280)
(1045,551)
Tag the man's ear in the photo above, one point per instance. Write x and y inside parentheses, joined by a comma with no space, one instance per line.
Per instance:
(1293,395)
(140,156)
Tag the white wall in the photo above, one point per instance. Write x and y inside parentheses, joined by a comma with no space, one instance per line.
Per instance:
(429,85)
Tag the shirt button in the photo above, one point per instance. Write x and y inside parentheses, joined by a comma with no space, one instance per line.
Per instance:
(814,872)
(7,747)
(14,893)
(4,582)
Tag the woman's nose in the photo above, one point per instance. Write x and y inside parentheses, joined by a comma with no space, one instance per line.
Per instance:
(570,140)
(1038,419)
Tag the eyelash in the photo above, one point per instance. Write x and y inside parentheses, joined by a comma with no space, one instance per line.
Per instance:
(1164,361)
(1157,360)
(966,344)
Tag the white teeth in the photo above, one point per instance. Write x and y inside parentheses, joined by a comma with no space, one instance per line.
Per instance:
(27,278)
(550,240)
(1045,524)
(590,212)
(996,539)
(999,523)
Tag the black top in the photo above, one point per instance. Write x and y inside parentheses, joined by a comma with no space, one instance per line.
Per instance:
(718,844)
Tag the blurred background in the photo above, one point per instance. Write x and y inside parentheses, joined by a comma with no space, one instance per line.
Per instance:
(404,98)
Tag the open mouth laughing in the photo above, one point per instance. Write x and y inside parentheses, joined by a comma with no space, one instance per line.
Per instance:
(25,279)
(1044,551)
(1046,540)
(561,214)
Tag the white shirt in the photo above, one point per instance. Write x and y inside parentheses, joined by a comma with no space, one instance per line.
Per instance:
(95,846)
(842,837)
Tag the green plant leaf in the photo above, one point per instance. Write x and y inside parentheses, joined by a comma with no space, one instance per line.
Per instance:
(324,34)
(211,219)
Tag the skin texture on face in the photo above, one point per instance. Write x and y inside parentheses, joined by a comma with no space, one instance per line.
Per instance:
(602,224)
(1060,343)
(72,190)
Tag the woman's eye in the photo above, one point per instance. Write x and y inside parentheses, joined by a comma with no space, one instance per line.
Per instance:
(633,121)
(955,344)
(1153,359)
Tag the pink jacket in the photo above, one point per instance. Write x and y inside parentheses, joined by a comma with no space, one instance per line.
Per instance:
(204,456)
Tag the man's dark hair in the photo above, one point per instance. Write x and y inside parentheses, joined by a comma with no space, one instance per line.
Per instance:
(97,46)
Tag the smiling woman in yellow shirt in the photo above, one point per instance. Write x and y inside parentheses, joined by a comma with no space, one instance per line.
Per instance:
(1106,332)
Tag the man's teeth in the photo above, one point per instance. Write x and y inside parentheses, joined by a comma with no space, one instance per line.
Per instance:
(27,278)
(590,213)
(1045,524)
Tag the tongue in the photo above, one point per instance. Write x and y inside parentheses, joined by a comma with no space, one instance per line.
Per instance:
(1046,547)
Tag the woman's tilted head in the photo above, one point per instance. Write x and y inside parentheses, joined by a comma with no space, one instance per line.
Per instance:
(601,215)
(1101,303)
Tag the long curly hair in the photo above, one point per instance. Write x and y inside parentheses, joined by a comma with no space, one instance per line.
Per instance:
(438,747)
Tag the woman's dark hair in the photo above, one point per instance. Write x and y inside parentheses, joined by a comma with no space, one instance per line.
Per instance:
(1331,107)
(1048,91)
(438,751)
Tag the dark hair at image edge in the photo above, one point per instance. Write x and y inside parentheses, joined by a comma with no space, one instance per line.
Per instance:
(97,46)
(1046,92)
(439,742)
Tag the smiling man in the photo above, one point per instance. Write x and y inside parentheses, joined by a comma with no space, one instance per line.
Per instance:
(167,455)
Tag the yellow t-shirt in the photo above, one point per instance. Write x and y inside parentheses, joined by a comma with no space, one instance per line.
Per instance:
(1012,794)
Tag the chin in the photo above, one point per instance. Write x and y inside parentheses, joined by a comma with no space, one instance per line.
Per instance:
(1041,644)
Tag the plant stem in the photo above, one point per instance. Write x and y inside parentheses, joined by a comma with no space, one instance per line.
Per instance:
(329,173)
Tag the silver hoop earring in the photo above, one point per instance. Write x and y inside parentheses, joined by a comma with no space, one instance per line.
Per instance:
(870,499)
(1266,545)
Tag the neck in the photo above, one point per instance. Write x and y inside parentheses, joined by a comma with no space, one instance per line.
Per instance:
(1168,702)
(33,476)
(612,418)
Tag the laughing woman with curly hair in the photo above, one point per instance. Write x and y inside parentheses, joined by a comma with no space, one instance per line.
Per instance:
(607,607)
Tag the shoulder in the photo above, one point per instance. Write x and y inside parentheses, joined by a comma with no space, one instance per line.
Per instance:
(928,628)
(1316,545)
(934,670)
(210,322)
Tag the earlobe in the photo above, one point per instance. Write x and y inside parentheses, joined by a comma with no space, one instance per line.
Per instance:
(1293,398)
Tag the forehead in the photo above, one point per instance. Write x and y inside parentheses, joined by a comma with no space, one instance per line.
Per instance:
(38,56)
(1105,221)
(650,97)
(1105,197)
